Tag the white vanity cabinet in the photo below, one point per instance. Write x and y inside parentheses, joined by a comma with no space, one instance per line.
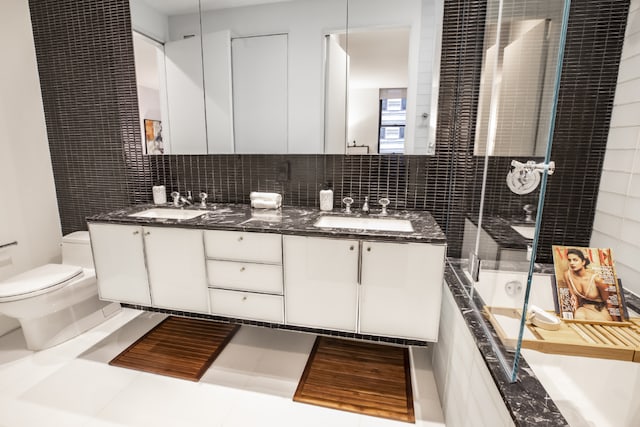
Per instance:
(321,282)
(244,273)
(373,288)
(401,289)
(118,256)
(158,266)
(176,265)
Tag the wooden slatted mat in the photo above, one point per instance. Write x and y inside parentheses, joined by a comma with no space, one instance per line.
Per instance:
(365,378)
(177,347)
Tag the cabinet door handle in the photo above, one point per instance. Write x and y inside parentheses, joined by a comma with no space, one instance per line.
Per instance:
(242,269)
(146,233)
(244,298)
(351,248)
(136,232)
(240,239)
(369,249)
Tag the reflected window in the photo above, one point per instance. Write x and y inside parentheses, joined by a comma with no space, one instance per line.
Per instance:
(393,120)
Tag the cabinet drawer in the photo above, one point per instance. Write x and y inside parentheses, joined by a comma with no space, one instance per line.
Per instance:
(241,246)
(245,276)
(247,305)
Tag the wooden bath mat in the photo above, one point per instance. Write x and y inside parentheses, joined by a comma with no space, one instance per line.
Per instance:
(365,378)
(177,347)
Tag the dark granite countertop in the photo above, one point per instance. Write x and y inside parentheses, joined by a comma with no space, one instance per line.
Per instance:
(286,220)
(500,230)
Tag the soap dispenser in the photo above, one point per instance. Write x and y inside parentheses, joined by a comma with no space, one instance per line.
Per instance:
(326,198)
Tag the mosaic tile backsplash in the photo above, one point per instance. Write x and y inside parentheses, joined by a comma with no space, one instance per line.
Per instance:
(85,59)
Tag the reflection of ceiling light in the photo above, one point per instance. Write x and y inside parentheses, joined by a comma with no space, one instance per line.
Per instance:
(226,4)
(182,7)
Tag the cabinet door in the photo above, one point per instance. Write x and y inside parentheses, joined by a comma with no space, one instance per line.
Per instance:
(177,272)
(401,289)
(118,256)
(321,282)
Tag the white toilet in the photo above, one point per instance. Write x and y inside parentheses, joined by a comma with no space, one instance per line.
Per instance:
(56,302)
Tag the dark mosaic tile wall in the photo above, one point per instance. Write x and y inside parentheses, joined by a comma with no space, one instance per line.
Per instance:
(85,59)
(83,50)
(230,178)
(589,75)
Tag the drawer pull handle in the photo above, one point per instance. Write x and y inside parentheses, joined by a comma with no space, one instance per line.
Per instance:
(244,298)
(369,249)
(240,239)
(242,269)
(146,233)
(351,248)
(136,232)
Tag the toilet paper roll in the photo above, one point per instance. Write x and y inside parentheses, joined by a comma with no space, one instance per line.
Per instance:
(159,194)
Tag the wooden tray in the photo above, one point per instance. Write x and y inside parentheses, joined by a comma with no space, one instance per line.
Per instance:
(605,340)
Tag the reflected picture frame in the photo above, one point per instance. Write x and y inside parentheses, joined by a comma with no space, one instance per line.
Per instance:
(153,137)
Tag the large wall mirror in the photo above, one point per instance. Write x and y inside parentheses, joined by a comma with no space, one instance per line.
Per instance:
(287,77)
(517,80)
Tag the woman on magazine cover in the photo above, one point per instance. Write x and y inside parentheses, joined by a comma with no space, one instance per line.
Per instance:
(589,293)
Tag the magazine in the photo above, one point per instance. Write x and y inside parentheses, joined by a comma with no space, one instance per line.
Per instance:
(587,287)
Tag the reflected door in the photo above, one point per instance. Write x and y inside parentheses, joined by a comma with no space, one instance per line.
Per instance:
(184,93)
(260,107)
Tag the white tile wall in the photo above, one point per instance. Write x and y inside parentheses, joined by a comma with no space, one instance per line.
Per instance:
(29,210)
(468,395)
(617,220)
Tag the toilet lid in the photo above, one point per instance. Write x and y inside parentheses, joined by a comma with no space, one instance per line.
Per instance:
(37,279)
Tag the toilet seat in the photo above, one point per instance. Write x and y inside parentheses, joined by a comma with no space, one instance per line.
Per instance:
(37,281)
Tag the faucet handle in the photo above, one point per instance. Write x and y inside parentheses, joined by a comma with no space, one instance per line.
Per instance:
(176,198)
(528,212)
(347,201)
(384,202)
(203,199)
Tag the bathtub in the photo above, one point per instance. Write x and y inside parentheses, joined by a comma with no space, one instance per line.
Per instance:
(588,391)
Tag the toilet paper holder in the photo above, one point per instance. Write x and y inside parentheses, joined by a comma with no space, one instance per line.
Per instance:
(6,245)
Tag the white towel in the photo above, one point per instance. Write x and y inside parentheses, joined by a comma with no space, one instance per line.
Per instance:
(255,195)
(265,204)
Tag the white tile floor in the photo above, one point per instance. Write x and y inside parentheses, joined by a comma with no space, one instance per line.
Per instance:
(251,383)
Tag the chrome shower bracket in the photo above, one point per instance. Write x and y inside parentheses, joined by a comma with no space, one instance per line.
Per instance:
(523,178)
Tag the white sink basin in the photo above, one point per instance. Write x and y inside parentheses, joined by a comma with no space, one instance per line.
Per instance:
(386,224)
(525,231)
(167,213)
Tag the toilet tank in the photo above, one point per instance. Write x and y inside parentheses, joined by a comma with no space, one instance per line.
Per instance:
(76,249)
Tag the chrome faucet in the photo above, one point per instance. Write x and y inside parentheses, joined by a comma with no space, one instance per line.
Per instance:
(384,202)
(179,201)
(365,205)
(176,199)
(203,199)
(347,201)
(528,213)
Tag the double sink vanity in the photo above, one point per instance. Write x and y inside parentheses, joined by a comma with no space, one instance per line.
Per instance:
(375,276)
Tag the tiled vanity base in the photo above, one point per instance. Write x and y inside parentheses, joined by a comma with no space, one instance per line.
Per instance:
(327,332)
